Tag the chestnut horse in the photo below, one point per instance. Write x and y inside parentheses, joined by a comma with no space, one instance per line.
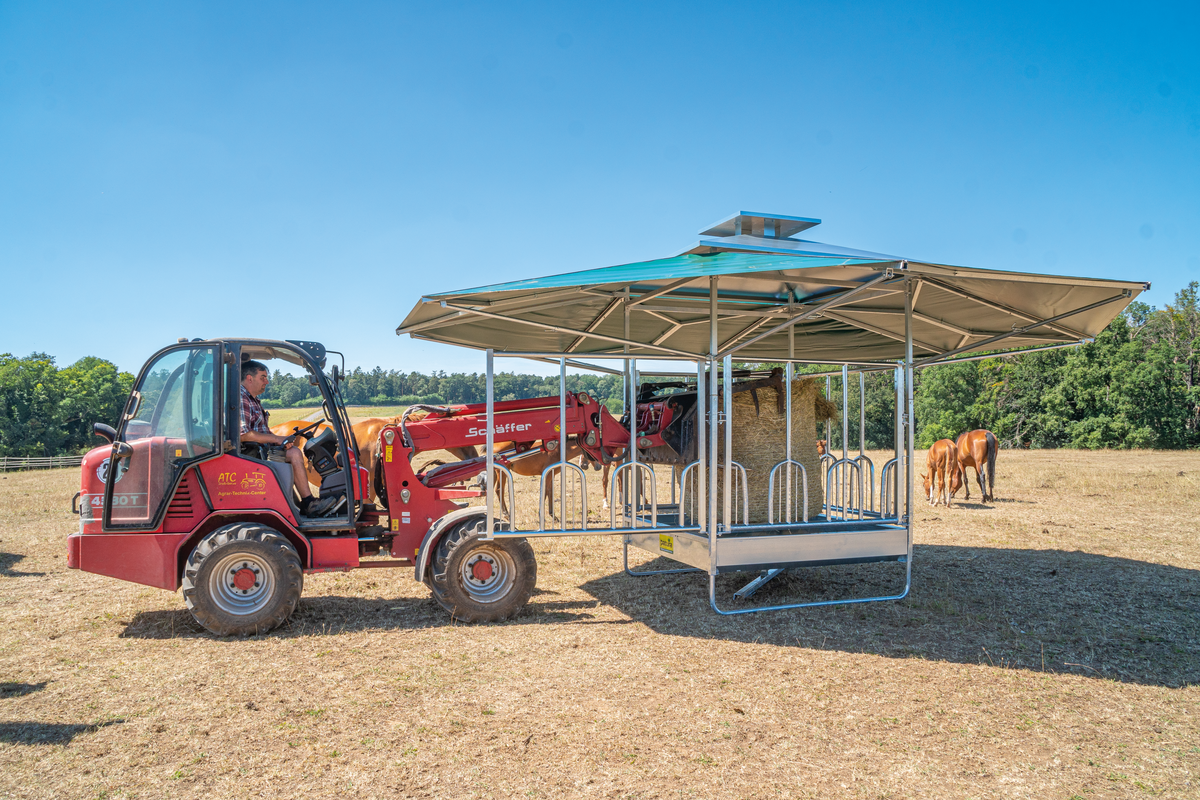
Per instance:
(941,464)
(366,434)
(976,449)
(531,466)
(288,428)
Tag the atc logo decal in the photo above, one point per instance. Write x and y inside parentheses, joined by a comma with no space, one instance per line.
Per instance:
(254,483)
(235,483)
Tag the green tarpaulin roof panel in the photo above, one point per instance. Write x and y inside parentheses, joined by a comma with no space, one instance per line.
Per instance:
(847,305)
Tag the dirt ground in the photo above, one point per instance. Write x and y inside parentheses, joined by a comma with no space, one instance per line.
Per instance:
(1050,648)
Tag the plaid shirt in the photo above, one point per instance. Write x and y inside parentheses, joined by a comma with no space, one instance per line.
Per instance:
(254,416)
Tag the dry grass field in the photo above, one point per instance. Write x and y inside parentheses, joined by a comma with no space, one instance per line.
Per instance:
(1050,648)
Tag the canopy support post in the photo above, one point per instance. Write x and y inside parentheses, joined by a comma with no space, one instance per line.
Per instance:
(491,484)
(910,437)
(787,409)
(712,428)
(562,447)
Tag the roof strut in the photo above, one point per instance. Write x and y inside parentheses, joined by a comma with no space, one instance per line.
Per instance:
(813,311)
(608,309)
(1000,307)
(881,331)
(1019,331)
(573,331)
(670,287)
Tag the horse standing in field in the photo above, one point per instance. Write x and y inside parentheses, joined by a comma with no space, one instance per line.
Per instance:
(618,460)
(531,467)
(976,449)
(941,464)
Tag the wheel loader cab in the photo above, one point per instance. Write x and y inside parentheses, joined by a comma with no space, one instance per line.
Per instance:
(185,409)
(324,443)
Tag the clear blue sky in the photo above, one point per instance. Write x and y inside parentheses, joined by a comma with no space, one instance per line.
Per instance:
(309,170)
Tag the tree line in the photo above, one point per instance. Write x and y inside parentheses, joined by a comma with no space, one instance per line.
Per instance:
(1136,386)
(48,411)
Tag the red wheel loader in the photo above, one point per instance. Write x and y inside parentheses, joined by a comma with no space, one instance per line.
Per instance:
(176,500)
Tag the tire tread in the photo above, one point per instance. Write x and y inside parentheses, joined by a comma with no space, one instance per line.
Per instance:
(450,595)
(290,580)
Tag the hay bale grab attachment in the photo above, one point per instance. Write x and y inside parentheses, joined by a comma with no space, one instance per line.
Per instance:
(714,464)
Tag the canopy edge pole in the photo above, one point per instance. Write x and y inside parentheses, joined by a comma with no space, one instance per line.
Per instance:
(491,484)
(712,426)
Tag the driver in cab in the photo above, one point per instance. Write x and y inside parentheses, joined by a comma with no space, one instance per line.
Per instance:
(255,377)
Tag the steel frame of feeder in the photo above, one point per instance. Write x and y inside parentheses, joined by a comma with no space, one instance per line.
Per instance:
(713,522)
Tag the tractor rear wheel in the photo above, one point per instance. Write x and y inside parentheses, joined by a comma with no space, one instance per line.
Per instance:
(242,579)
(477,580)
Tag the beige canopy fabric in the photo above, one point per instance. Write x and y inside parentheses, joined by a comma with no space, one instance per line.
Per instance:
(846,306)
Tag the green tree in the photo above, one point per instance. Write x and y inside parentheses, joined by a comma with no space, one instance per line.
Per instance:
(94,390)
(30,393)
(946,401)
(45,411)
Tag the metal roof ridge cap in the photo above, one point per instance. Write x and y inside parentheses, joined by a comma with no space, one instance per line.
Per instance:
(737,244)
(805,223)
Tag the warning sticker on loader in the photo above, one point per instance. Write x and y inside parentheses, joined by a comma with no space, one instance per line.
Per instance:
(666,543)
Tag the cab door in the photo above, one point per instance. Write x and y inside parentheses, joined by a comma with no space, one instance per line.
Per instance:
(171,422)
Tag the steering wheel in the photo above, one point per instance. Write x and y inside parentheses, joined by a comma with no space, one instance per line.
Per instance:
(306,431)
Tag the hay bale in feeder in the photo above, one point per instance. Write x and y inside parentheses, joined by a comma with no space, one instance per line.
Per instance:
(760,442)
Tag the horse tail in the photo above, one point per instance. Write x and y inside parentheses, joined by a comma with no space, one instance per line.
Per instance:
(991,459)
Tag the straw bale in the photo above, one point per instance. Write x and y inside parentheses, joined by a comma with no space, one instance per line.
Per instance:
(760,440)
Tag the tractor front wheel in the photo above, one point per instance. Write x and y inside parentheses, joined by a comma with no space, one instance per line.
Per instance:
(242,579)
(477,580)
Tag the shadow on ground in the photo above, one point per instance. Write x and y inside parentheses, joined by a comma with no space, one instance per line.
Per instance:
(46,733)
(329,615)
(20,689)
(8,561)
(1047,610)
(1043,610)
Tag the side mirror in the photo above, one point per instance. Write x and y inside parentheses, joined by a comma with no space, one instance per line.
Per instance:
(105,432)
(122,450)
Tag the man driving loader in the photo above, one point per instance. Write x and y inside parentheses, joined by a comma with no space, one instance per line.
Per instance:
(255,377)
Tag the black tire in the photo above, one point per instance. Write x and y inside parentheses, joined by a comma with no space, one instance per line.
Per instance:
(481,581)
(217,580)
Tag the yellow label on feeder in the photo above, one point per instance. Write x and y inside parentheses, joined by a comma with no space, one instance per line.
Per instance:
(387,453)
(666,543)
